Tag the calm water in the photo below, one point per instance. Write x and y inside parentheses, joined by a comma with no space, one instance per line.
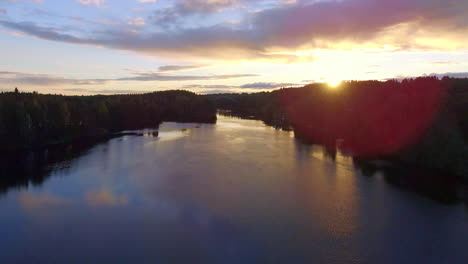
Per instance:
(235,192)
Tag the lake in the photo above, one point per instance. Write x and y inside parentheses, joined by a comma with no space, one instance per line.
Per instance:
(234,192)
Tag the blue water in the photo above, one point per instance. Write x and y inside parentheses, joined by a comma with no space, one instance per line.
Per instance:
(234,192)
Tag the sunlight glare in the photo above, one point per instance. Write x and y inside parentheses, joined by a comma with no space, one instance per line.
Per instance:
(334,83)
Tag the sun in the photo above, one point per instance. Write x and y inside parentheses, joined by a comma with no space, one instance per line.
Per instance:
(334,83)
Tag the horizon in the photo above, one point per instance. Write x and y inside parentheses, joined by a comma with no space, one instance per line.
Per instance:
(86,47)
(330,85)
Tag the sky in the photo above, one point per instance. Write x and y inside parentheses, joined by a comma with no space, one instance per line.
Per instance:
(218,46)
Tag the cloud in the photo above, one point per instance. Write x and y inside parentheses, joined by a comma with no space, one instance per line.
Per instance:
(323,23)
(204,6)
(107,92)
(19,78)
(161,77)
(47,33)
(258,85)
(444,63)
(3,11)
(276,33)
(266,85)
(173,68)
(216,42)
(450,74)
(43,79)
(183,8)
(163,70)
(215,86)
(91,2)
(138,21)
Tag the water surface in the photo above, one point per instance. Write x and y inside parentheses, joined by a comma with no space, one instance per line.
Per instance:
(234,192)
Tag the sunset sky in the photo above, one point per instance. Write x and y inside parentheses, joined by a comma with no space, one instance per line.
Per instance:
(209,46)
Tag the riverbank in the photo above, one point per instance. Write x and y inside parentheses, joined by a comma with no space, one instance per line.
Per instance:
(435,184)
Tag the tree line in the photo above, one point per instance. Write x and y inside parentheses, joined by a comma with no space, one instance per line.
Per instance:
(34,120)
(421,121)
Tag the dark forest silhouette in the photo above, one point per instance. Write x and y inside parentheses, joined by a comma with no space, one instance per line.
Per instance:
(35,120)
(421,121)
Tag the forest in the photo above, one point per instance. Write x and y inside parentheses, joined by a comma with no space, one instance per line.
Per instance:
(32,120)
(422,121)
